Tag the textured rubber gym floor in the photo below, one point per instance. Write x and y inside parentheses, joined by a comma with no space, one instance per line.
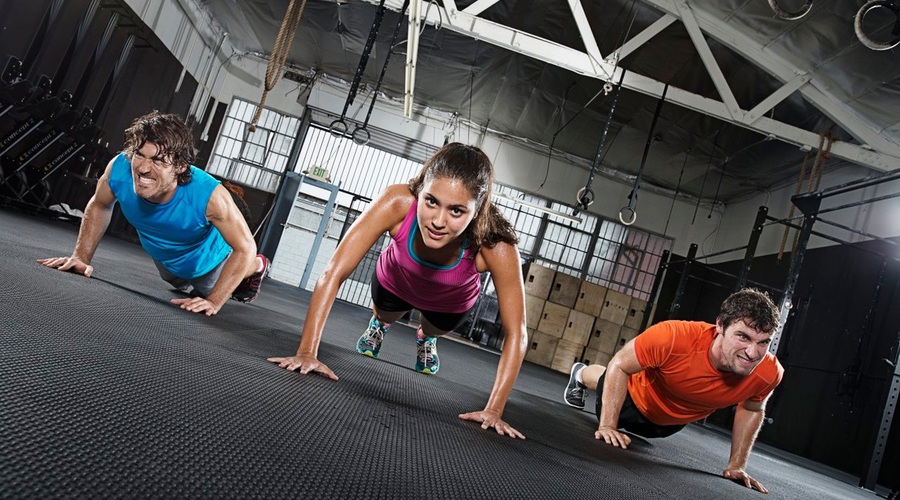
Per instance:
(109,391)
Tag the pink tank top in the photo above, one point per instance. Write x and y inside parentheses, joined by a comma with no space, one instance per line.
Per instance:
(449,289)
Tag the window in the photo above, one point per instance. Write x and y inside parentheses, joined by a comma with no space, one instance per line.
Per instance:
(257,159)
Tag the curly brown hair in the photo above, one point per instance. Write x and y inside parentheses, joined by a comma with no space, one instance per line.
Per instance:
(170,134)
(473,168)
(752,306)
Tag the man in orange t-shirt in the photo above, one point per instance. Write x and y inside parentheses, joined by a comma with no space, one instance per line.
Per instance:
(677,372)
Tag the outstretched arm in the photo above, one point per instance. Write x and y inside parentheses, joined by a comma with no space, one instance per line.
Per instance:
(506,271)
(385,213)
(97,214)
(227,218)
(748,419)
(615,388)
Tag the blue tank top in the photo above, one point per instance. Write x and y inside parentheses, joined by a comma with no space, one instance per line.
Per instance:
(175,233)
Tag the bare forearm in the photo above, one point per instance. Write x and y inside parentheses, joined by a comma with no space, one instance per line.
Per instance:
(93,225)
(507,370)
(317,313)
(615,388)
(743,434)
(233,272)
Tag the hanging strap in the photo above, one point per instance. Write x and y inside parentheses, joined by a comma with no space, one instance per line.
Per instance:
(632,198)
(585,195)
(358,131)
(279,54)
(339,126)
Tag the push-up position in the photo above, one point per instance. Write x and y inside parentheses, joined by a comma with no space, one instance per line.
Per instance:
(186,220)
(678,372)
(445,231)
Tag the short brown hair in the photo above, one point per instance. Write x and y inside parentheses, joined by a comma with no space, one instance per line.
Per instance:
(752,306)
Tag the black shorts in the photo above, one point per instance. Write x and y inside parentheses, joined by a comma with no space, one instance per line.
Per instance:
(632,420)
(387,301)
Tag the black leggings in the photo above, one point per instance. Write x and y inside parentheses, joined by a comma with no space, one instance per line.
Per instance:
(386,301)
(632,420)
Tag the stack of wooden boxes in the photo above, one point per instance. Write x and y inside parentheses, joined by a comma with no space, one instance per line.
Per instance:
(571,320)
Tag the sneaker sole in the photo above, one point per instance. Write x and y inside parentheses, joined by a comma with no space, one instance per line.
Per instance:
(570,404)
(368,353)
(428,371)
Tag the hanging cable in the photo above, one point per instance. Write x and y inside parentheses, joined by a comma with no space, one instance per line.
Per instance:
(585,197)
(632,198)
(703,184)
(677,187)
(279,54)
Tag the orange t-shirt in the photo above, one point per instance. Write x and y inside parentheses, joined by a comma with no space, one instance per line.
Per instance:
(679,384)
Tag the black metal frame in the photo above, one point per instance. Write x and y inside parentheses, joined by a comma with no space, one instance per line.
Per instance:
(810,205)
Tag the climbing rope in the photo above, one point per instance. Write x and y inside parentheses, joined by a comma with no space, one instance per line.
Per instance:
(279,54)
(813,183)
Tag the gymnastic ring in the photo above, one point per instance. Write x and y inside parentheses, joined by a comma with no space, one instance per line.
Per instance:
(633,216)
(864,38)
(333,128)
(584,198)
(787,15)
(356,138)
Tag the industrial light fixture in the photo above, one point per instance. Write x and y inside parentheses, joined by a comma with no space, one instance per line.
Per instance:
(546,210)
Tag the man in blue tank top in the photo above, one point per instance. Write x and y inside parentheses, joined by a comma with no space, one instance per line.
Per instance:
(186,220)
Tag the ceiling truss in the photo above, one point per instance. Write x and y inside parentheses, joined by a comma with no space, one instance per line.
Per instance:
(876,151)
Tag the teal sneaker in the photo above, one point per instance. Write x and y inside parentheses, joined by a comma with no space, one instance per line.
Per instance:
(427,360)
(370,342)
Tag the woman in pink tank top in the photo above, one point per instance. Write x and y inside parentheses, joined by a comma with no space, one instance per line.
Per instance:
(445,232)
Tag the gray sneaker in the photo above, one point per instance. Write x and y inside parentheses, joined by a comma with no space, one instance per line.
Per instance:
(574,395)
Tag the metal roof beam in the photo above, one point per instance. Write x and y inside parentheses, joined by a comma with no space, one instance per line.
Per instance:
(878,153)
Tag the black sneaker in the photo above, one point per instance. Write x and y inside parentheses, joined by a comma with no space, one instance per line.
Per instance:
(248,289)
(574,395)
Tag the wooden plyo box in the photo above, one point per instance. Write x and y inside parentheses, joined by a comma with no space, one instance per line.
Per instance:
(538,280)
(595,357)
(534,307)
(625,335)
(564,290)
(553,319)
(590,298)
(635,313)
(541,348)
(604,336)
(615,307)
(578,328)
(567,354)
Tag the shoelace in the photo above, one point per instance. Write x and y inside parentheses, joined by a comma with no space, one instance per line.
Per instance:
(576,392)
(428,348)
(376,335)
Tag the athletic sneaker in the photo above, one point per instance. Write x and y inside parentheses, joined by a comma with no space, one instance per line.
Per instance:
(427,360)
(574,394)
(370,342)
(248,289)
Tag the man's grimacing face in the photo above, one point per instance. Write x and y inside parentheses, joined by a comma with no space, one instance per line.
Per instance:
(155,179)
(740,349)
